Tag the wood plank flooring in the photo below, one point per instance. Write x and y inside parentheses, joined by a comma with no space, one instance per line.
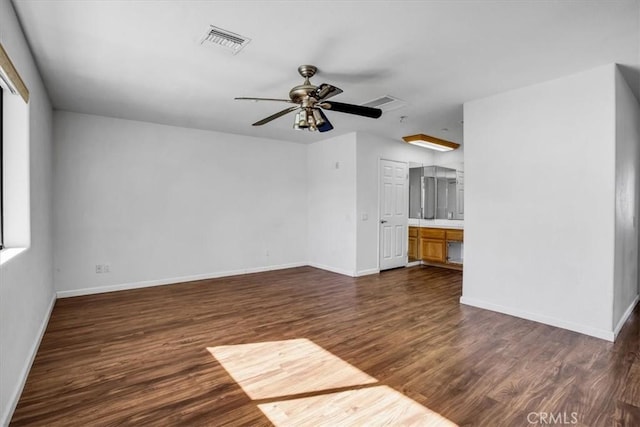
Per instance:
(140,357)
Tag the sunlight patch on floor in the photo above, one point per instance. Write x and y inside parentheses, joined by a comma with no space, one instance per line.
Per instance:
(283,368)
(371,406)
(305,385)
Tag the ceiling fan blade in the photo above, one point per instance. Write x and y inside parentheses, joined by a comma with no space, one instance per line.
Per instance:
(326,91)
(275,116)
(358,110)
(262,99)
(326,126)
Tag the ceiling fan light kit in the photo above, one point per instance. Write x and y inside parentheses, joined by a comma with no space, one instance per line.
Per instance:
(311,100)
(312,119)
(431,142)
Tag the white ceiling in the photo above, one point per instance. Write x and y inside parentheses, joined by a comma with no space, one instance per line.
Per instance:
(142,60)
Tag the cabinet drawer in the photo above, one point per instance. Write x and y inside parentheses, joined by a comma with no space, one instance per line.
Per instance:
(456,235)
(432,233)
(413,231)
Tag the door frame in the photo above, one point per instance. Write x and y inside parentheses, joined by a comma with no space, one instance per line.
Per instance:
(378,216)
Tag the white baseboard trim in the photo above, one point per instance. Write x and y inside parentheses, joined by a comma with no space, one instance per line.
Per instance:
(413,263)
(13,401)
(575,327)
(367,272)
(173,280)
(332,269)
(625,316)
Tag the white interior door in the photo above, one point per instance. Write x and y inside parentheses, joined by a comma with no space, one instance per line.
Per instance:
(394,205)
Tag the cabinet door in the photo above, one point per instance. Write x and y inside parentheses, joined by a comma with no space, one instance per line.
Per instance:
(413,247)
(433,250)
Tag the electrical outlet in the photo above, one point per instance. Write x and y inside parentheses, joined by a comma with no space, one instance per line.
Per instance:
(98,268)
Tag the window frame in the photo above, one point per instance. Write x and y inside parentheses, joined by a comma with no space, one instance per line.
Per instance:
(1,168)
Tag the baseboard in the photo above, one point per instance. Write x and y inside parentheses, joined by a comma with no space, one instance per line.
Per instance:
(13,401)
(367,272)
(413,263)
(625,316)
(173,280)
(586,330)
(332,269)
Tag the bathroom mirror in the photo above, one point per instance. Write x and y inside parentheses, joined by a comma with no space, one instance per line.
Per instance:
(436,192)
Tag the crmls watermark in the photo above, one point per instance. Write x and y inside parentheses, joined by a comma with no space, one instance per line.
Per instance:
(552,418)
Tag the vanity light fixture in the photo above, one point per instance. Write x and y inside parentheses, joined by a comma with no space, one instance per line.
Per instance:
(431,142)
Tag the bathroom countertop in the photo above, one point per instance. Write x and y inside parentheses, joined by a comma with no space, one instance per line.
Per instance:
(437,223)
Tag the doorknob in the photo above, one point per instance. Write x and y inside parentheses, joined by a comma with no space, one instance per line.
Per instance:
(383,221)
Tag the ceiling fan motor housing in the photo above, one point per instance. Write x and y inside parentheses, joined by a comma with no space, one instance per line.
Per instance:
(301,92)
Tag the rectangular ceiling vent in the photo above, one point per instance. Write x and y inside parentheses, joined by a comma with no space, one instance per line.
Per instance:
(386,103)
(232,41)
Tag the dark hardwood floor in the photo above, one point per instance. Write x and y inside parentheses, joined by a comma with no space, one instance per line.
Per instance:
(140,357)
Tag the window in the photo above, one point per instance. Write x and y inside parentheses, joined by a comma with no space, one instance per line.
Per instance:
(15,214)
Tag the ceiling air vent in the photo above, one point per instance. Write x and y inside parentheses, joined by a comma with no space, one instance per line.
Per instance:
(386,103)
(232,41)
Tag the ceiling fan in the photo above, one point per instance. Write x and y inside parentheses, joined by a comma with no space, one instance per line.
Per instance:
(310,100)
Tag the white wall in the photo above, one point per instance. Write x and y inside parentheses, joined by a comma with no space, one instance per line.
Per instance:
(162,204)
(331,171)
(626,201)
(450,159)
(370,149)
(539,202)
(26,289)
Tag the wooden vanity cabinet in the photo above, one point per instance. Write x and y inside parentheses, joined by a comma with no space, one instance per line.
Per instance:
(434,246)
